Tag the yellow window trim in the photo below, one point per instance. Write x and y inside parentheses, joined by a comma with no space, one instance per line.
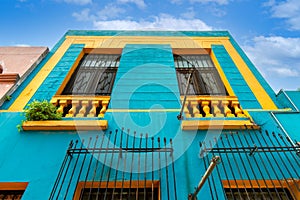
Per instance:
(289,185)
(13,185)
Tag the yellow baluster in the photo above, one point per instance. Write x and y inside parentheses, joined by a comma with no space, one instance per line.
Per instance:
(237,111)
(186,111)
(72,111)
(62,105)
(103,109)
(206,108)
(196,111)
(226,109)
(82,111)
(92,112)
(217,111)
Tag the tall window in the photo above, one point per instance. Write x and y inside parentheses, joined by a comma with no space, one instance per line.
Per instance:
(205,79)
(94,75)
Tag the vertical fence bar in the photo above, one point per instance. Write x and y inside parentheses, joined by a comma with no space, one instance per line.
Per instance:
(118,163)
(124,169)
(61,170)
(131,167)
(89,166)
(173,169)
(110,164)
(265,167)
(237,166)
(80,171)
(257,165)
(73,171)
(66,172)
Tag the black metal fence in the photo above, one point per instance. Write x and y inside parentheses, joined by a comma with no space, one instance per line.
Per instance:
(117,165)
(254,165)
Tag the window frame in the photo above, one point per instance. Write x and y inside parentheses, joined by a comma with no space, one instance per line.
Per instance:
(13,186)
(134,184)
(85,67)
(79,58)
(200,74)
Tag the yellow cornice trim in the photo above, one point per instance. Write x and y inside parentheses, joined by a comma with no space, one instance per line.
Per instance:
(144,110)
(120,41)
(65,125)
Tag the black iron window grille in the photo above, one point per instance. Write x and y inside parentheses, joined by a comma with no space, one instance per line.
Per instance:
(116,165)
(205,80)
(94,75)
(254,165)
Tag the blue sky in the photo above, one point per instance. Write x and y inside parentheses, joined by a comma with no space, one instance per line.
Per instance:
(267,30)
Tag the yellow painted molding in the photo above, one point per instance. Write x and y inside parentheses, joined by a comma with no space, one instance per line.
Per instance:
(65,125)
(13,185)
(261,95)
(217,124)
(36,82)
(120,41)
(268,110)
(143,110)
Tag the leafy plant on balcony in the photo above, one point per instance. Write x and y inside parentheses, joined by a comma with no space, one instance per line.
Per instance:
(41,110)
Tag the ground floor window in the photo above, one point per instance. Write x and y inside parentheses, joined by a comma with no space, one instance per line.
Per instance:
(263,193)
(12,190)
(125,190)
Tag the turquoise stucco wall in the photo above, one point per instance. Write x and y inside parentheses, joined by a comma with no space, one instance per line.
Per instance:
(36,156)
(146,70)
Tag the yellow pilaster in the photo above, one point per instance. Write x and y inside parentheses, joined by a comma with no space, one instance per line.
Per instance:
(259,92)
(35,83)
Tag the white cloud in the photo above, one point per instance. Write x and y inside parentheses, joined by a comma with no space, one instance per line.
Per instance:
(110,11)
(176,1)
(220,2)
(288,10)
(140,3)
(79,2)
(286,72)
(22,45)
(84,15)
(275,56)
(162,22)
(189,14)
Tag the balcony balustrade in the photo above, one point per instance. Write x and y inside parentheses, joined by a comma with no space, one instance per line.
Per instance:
(81,106)
(212,106)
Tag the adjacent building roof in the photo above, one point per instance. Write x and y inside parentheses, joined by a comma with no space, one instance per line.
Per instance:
(17,63)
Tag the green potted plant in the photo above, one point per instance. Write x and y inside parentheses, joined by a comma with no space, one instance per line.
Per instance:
(40,111)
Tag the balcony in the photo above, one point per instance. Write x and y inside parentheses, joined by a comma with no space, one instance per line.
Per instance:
(215,112)
(81,106)
(77,113)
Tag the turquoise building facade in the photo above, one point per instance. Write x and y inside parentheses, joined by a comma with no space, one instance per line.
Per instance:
(121,94)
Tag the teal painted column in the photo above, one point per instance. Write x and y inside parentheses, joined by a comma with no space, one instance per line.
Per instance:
(235,78)
(146,78)
(56,77)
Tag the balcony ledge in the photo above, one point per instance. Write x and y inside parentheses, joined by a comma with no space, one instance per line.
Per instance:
(218,124)
(65,125)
